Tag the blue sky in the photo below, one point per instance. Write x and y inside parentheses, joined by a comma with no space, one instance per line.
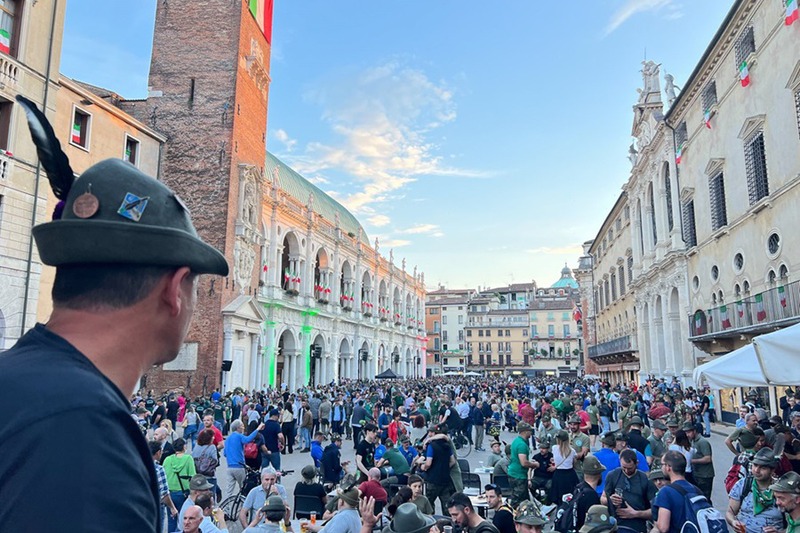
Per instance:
(484,142)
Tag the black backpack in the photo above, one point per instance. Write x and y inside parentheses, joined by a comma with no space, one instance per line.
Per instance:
(567,514)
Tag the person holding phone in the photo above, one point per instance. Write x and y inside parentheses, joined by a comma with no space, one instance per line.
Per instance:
(629,493)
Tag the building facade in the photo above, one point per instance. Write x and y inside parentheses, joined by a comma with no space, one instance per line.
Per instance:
(739,175)
(540,339)
(30,53)
(658,275)
(446,317)
(613,349)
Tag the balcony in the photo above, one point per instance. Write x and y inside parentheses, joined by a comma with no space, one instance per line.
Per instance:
(9,72)
(777,307)
(617,346)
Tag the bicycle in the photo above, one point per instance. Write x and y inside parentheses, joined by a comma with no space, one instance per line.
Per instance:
(461,442)
(232,505)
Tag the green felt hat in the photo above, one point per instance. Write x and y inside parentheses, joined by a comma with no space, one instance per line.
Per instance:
(116,214)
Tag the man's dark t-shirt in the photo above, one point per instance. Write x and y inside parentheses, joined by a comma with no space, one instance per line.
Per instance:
(586,498)
(102,447)
(503,520)
(367,452)
(271,430)
(158,415)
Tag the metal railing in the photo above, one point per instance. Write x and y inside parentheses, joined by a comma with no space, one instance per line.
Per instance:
(614,346)
(781,303)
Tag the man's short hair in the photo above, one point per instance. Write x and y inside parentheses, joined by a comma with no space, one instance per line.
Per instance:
(104,286)
(203,501)
(235,425)
(629,456)
(460,501)
(154,446)
(676,461)
(495,488)
(414,478)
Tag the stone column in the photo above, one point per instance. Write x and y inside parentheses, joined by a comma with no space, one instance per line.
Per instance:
(638,252)
(643,341)
(227,355)
(292,355)
(253,361)
(671,350)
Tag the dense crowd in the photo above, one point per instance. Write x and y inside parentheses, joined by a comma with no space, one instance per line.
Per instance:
(640,454)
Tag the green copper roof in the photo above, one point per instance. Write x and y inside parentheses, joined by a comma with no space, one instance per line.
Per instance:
(566,280)
(300,188)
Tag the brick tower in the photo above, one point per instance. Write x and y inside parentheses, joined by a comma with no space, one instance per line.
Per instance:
(209,83)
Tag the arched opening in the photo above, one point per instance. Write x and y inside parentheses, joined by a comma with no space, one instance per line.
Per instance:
(316,370)
(291,264)
(652,203)
(383,302)
(363,360)
(397,307)
(346,285)
(668,195)
(367,307)
(287,349)
(322,277)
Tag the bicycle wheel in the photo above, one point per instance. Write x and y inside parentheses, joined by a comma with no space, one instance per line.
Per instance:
(463,447)
(231,507)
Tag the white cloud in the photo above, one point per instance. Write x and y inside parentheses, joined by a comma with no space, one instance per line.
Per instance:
(573,249)
(632,7)
(420,229)
(318,180)
(379,220)
(382,119)
(394,243)
(284,138)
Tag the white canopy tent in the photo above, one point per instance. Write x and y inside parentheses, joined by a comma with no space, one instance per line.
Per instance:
(772,359)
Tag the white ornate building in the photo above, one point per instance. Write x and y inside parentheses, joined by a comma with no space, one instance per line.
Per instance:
(329,305)
(659,279)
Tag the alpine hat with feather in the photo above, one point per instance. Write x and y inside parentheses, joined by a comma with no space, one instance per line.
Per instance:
(113,213)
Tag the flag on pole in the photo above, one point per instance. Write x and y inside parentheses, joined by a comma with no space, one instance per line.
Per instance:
(761,313)
(5,41)
(744,74)
(679,153)
(76,133)
(725,321)
(740,308)
(698,322)
(577,316)
(707,118)
(782,295)
(792,13)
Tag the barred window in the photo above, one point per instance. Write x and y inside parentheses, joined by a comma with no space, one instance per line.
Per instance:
(709,96)
(681,134)
(668,191)
(755,161)
(630,268)
(653,215)
(745,45)
(797,108)
(621,280)
(613,287)
(689,232)
(606,291)
(719,212)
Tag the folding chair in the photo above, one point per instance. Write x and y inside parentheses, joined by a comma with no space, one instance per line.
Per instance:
(471,481)
(305,505)
(463,464)
(501,480)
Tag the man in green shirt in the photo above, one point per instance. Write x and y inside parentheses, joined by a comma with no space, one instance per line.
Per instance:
(519,464)
(579,442)
(657,445)
(548,430)
(702,462)
(399,468)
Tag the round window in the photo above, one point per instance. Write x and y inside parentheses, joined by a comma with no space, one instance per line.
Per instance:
(738,262)
(715,272)
(774,244)
(696,283)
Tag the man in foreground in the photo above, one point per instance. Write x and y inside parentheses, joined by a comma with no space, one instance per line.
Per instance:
(127,261)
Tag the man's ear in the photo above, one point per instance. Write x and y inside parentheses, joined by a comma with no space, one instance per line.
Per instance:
(171,293)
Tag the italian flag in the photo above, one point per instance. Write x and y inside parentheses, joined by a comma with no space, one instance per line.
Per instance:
(791,12)
(5,39)
(761,313)
(740,308)
(782,295)
(679,153)
(726,322)
(286,276)
(76,133)
(707,118)
(698,321)
(744,74)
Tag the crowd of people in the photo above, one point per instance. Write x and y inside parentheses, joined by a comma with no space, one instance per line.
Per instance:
(639,453)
